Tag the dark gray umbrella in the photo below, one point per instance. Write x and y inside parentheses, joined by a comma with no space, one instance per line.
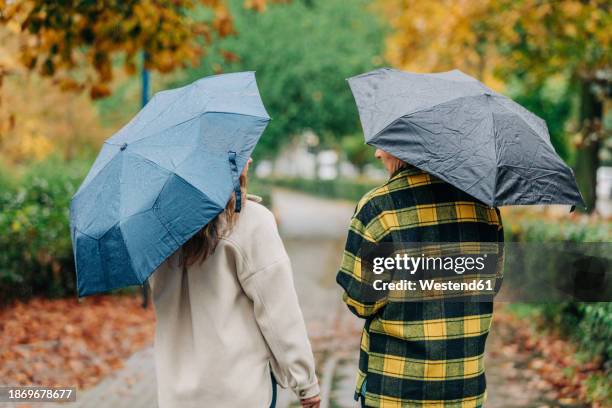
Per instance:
(454,127)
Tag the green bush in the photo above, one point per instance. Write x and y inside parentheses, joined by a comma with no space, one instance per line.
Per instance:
(588,324)
(595,327)
(262,189)
(537,230)
(336,189)
(6,180)
(36,257)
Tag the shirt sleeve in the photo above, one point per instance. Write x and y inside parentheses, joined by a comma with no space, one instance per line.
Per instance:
(359,295)
(267,279)
(280,320)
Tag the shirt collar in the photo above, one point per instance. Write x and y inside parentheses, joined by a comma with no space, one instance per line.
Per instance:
(407,170)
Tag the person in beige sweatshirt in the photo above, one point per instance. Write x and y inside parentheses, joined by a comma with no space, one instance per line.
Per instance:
(229,325)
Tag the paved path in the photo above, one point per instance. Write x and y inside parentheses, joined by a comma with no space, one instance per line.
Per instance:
(313,230)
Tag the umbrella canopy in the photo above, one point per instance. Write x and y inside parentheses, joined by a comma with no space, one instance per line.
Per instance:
(454,127)
(162,177)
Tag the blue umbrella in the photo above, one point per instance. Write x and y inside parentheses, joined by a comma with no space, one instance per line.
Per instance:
(162,177)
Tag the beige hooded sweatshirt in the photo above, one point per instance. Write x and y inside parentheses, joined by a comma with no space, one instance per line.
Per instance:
(223,324)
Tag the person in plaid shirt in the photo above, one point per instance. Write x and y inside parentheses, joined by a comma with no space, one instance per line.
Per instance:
(427,353)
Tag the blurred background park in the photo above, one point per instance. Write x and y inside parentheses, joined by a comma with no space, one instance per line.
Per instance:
(73,72)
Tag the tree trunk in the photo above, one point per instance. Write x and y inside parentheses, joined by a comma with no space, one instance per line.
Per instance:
(587,156)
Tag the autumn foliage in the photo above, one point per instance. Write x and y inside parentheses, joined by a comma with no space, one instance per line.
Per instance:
(554,366)
(77,42)
(60,342)
(47,47)
(530,37)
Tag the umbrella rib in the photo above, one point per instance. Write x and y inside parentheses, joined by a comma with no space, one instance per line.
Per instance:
(428,75)
(172,173)
(118,225)
(133,122)
(550,171)
(394,121)
(157,133)
(138,275)
(104,264)
(437,173)
(157,216)
(521,118)
(198,116)
(78,193)
(82,187)
(84,233)
(151,161)
(496,154)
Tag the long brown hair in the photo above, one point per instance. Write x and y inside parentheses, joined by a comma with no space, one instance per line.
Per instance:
(205,241)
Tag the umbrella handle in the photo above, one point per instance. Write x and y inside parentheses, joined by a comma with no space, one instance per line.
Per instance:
(235,180)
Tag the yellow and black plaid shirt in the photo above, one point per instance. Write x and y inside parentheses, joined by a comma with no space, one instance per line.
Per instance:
(418,354)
